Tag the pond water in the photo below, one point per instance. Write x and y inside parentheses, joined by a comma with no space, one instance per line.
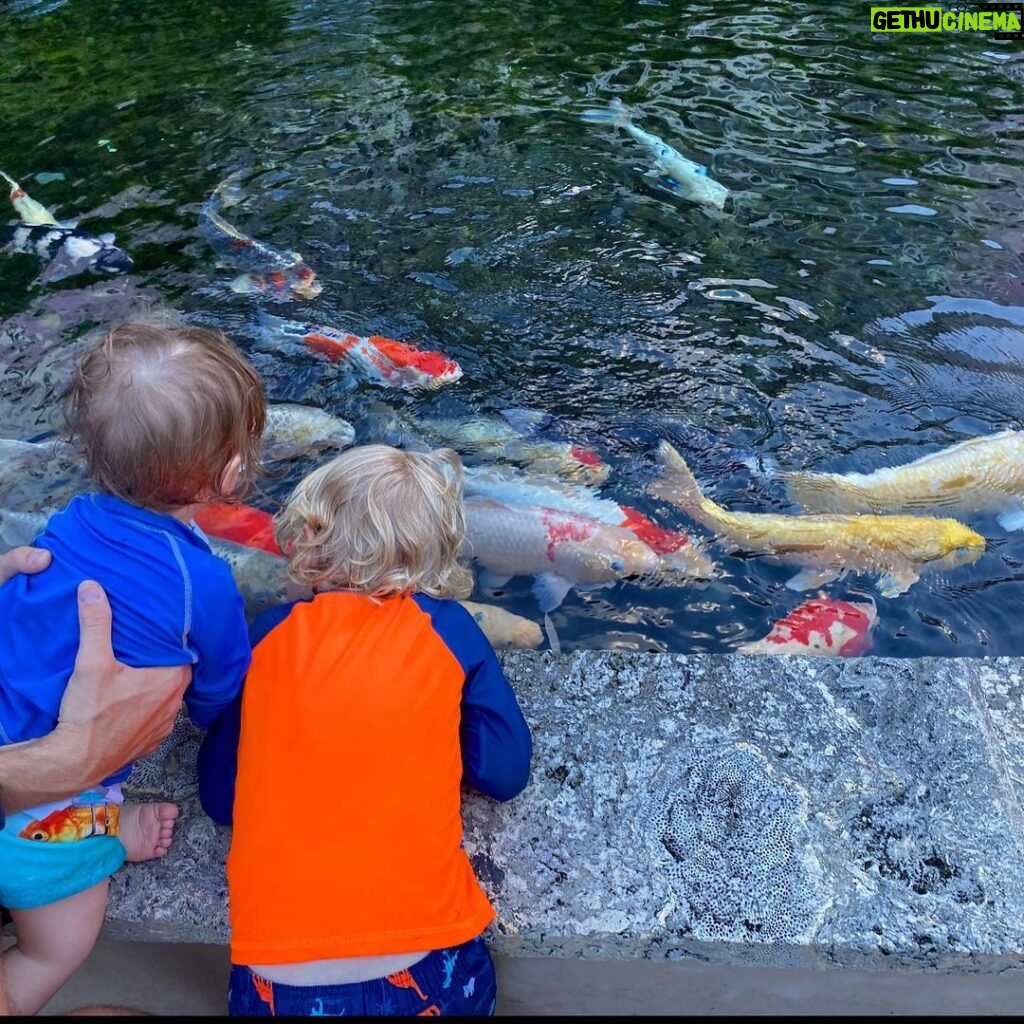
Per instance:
(857,303)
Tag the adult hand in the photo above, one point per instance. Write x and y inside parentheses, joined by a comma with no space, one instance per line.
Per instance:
(22,560)
(111,714)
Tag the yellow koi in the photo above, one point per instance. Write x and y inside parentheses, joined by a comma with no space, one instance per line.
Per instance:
(896,549)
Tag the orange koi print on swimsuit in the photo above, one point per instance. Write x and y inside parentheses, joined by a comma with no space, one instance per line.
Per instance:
(403,979)
(265,990)
(69,824)
(430,1011)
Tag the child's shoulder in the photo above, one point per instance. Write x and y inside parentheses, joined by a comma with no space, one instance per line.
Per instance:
(451,620)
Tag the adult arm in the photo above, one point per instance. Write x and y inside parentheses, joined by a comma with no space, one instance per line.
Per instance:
(111,714)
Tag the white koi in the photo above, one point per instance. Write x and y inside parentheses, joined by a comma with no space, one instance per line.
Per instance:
(690,179)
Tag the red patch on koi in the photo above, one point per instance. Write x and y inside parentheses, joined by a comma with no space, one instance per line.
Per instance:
(586,456)
(818,616)
(335,349)
(400,354)
(242,524)
(659,539)
(562,528)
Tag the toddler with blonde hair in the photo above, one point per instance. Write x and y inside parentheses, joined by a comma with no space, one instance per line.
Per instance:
(169,418)
(366,707)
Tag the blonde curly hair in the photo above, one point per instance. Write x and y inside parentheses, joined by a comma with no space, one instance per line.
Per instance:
(379,521)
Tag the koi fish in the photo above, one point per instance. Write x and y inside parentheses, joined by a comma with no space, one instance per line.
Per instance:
(679,556)
(689,179)
(896,549)
(377,359)
(295,430)
(67,249)
(68,824)
(503,628)
(981,474)
(279,274)
(243,524)
(503,438)
(826,628)
(560,549)
(28,210)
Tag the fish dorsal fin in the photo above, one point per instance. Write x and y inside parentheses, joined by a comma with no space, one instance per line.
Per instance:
(525,421)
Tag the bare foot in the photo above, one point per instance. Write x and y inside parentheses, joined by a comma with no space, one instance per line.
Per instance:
(147,829)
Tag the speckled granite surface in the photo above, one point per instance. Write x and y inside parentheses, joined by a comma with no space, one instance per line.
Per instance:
(758,810)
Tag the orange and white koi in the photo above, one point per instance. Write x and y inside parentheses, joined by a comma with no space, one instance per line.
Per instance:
(821,627)
(376,358)
(68,824)
(560,549)
(679,555)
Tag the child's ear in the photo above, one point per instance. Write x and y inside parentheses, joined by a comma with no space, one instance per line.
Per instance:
(229,478)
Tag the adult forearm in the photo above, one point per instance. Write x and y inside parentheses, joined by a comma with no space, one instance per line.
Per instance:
(49,768)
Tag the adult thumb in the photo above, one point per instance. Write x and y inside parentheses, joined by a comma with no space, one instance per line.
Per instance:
(94,621)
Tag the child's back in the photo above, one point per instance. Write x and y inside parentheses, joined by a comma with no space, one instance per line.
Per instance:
(366,709)
(173,603)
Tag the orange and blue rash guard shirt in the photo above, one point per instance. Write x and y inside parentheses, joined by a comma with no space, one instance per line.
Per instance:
(340,770)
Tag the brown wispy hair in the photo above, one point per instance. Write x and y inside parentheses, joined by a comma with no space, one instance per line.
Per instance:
(159,411)
(379,521)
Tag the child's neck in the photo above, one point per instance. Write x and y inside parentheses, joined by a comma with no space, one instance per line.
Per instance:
(186,513)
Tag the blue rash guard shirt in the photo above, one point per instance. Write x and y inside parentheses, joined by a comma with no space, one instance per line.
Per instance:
(494,737)
(173,601)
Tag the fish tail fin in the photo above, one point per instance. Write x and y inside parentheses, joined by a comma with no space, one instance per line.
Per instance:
(677,484)
(273,328)
(229,192)
(615,113)
(10,181)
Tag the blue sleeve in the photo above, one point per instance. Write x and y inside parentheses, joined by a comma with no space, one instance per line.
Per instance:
(220,637)
(217,763)
(496,743)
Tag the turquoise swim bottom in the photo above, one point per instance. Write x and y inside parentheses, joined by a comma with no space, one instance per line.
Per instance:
(34,873)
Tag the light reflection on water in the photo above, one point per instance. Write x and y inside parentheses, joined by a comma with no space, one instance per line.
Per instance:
(858,302)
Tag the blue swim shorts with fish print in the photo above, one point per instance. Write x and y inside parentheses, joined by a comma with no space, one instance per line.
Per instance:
(455,982)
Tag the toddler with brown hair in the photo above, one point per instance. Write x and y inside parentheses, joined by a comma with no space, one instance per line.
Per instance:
(170,418)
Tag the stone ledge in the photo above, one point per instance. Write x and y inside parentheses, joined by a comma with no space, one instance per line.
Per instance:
(732,809)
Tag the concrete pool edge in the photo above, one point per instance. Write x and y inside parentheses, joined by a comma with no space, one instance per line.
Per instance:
(789,812)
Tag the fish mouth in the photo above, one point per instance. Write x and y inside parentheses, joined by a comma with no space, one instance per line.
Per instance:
(308,291)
